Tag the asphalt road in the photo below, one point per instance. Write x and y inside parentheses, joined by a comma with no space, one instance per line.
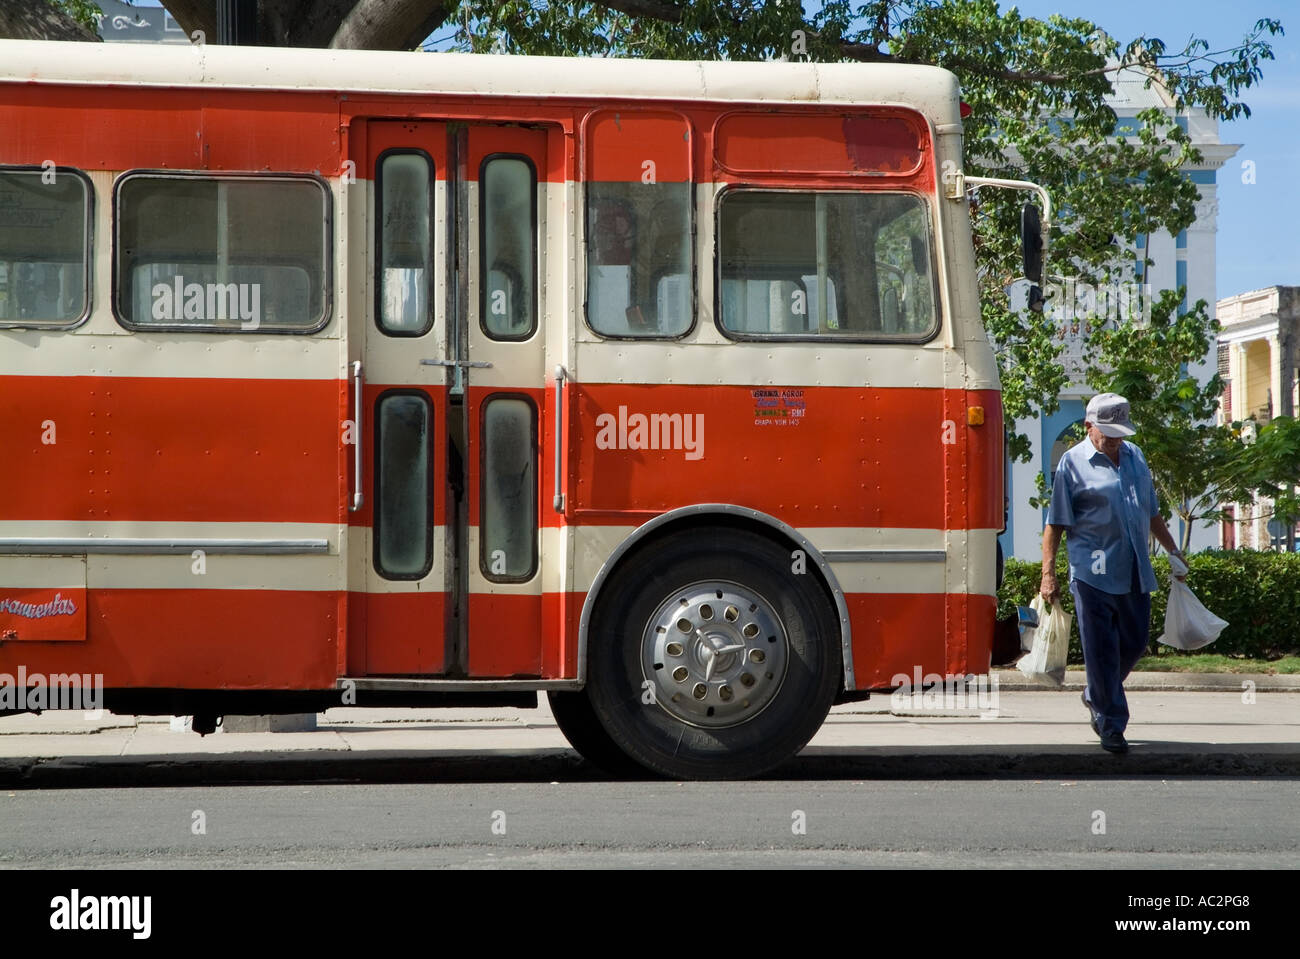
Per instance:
(1209,823)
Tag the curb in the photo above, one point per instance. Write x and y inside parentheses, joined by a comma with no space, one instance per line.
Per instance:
(554,764)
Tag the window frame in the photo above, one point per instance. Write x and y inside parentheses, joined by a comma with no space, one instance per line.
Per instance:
(534,445)
(825,338)
(432,486)
(88,248)
(378,264)
(692,244)
(327,227)
(534,323)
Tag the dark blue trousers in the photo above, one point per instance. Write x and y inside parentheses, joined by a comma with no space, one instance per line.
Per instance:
(1114,630)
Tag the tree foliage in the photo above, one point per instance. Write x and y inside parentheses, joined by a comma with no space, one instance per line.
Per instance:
(1198,465)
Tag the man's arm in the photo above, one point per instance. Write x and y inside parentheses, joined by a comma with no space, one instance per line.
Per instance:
(1051,545)
(1161,532)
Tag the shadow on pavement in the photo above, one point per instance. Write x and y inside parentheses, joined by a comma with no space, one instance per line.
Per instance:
(1146,758)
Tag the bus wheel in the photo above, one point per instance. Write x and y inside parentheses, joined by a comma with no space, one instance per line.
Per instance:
(577,720)
(709,658)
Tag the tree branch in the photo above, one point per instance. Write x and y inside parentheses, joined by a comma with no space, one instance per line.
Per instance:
(390,24)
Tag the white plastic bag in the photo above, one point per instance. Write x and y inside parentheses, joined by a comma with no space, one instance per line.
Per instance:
(1188,624)
(1046,658)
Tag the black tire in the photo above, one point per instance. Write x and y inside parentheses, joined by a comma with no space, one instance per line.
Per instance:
(577,720)
(790,708)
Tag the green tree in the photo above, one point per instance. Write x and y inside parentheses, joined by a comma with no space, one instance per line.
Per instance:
(1197,465)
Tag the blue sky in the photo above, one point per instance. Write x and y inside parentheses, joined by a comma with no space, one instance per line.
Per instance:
(1257,243)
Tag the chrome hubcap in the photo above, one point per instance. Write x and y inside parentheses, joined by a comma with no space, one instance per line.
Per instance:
(716,653)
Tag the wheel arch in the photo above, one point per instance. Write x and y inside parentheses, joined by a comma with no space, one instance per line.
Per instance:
(734,517)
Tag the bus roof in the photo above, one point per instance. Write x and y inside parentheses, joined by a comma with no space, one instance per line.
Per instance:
(930,90)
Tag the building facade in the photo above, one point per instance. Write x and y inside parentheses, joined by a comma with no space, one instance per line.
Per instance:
(1257,355)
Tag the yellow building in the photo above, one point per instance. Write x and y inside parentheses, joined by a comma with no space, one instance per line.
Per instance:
(1257,355)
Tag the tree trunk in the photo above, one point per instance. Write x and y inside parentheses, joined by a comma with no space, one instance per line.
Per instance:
(345,24)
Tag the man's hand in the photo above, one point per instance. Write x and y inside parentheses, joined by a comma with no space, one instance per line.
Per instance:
(1051,543)
(1181,558)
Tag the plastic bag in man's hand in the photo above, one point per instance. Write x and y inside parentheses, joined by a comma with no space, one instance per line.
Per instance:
(1188,624)
(1046,658)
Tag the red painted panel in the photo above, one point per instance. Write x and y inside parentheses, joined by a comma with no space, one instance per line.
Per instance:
(505,635)
(485,140)
(897,633)
(107,128)
(197,639)
(894,633)
(780,140)
(621,142)
(405,633)
(156,449)
(855,457)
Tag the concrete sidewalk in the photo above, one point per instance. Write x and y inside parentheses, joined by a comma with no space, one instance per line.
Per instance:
(1183,724)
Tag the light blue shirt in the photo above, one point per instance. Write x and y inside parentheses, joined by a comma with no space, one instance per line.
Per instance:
(1108,510)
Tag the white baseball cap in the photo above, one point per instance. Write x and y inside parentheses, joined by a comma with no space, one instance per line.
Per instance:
(1109,413)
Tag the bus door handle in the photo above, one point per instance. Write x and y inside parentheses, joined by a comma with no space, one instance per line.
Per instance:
(560,376)
(358,414)
(474,364)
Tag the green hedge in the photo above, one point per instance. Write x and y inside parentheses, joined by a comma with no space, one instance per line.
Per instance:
(1258,593)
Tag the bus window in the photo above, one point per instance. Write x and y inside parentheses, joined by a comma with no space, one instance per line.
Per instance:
(405,251)
(403,510)
(640,269)
(44,247)
(198,252)
(508,527)
(825,264)
(508,223)
(639,258)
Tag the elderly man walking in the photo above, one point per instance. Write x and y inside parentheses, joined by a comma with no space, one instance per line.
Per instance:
(1104,496)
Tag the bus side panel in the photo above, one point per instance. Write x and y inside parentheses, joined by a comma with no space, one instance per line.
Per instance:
(895,634)
(855,457)
(196,639)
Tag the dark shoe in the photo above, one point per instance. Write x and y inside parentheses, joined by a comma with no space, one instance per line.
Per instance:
(1092,717)
(1114,743)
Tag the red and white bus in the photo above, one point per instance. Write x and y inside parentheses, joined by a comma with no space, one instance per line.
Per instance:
(386,378)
